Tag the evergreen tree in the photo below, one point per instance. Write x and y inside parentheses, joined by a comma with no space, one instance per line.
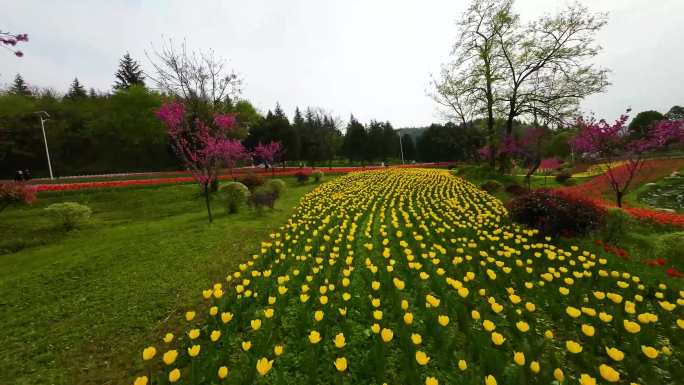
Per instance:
(19,87)
(77,91)
(354,140)
(92,93)
(409,147)
(129,73)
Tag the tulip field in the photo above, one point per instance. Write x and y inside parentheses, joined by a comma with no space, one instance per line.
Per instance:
(415,276)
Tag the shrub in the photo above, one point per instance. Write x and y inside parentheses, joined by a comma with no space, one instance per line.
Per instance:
(302,177)
(263,196)
(491,186)
(555,213)
(252,181)
(617,223)
(515,189)
(277,185)
(69,214)
(563,177)
(317,175)
(670,246)
(16,192)
(234,194)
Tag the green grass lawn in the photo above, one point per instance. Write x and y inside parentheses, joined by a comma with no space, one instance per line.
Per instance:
(78,307)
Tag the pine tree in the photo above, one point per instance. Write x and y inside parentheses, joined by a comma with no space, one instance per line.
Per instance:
(19,87)
(77,91)
(129,73)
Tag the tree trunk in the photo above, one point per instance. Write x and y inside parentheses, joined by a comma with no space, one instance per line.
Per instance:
(206,200)
(618,198)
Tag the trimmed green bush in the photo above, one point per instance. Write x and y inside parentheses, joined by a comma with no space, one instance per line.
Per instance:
(69,214)
(277,185)
(617,223)
(234,194)
(317,175)
(670,246)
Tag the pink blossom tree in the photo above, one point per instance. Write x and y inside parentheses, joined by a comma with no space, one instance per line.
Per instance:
(269,152)
(527,149)
(201,146)
(611,142)
(9,41)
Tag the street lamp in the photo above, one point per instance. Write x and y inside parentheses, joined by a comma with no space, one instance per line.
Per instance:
(42,126)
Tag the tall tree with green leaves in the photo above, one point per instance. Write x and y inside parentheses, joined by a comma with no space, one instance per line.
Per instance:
(129,73)
(642,123)
(19,87)
(354,140)
(76,91)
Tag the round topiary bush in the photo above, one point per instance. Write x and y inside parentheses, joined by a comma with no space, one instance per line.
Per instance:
(69,214)
(277,185)
(556,213)
(317,175)
(491,186)
(234,194)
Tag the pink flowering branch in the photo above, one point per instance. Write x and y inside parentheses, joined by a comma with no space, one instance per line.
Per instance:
(202,146)
(10,41)
(612,142)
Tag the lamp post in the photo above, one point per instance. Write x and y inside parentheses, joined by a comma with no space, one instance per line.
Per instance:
(42,126)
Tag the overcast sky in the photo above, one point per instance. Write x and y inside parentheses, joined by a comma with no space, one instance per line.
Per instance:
(372,58)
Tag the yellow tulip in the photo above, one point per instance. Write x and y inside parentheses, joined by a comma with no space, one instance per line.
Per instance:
(416,338)
(558,375)
(408,318)
(194,333)
(573,312)
(226,317)
(215,335)
(148,353)
(519,358)
(314,337)
(339,341)
(615,354)
(490,380)
(318,315)
(431,381)
(422,358)
(534,366)
(222,372)
(462,365)
(605,317)
(268,313)
(170,357)
(649,351)
(475,315)
(522,326)
(488,325)
(263,366)
(194,350)
(586,379)
(387,335)
(443,320)
(256,324)
(588,330)
(573,347)
(174,375)
(375,328)
(609,374)
(142,380)
(498,338)
(278,350)
(246,345)
(189,315)
(168,338)
(631,327)
(341,364)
